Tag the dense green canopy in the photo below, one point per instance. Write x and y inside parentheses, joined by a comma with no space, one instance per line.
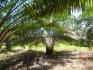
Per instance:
(18,16)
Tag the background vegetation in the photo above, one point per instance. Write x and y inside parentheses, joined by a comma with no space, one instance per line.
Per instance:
(25,22)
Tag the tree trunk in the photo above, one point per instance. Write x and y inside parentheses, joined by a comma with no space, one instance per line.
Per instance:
(8,45)
(49,45)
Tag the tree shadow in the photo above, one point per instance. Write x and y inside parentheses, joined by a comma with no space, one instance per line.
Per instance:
(35,60)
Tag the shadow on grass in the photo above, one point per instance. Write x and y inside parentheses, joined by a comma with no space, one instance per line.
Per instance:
(35,60)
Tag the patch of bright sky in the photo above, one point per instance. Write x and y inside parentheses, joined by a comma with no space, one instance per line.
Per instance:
(76,12)
(29,1)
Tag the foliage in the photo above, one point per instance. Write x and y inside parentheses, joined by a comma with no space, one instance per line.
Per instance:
(19,19)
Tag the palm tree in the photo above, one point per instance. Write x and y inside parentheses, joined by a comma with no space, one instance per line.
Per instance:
(11,22)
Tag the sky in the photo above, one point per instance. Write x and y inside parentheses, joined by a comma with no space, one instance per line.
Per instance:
(76,12)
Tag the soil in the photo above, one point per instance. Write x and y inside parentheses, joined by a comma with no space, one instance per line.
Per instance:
(36,60)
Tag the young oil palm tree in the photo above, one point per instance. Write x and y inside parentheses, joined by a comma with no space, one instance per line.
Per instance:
(17,11)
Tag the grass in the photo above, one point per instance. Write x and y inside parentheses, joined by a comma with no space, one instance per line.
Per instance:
(62,46)
(58,46)
(11,59)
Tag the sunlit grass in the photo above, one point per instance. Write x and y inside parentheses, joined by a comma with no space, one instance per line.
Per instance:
(66,46)
(58,47)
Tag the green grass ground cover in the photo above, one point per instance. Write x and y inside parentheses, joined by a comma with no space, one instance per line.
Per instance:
(58,46)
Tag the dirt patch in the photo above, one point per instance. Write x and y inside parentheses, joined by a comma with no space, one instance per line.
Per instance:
(36,60)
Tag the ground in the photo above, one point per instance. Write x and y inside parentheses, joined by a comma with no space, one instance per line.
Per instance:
(21,59)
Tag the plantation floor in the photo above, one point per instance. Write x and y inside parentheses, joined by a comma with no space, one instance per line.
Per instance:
(21,59)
